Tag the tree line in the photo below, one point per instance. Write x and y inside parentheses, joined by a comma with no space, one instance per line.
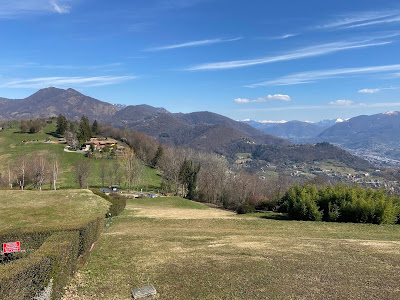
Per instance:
(340,204)
(32,169)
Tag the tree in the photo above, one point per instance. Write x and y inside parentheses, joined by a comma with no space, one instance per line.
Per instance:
(62,125)
(128,159)
(157,156)
(35,126)
(188,177)
(83,170)
(95,127)
(85,133)
(71,139)
(54,171)
(24,125)
(22,171)
(39,171)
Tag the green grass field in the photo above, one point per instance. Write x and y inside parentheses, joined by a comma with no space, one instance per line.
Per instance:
(34,209)
(12,147)
(190,251)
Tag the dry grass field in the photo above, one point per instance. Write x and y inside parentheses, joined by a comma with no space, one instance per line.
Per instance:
(35,209)
(189,251)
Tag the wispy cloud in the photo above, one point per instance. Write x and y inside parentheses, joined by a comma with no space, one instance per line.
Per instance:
(35,65)
(362,19)
(276,97)
(369,91)
(194,44)
(313,76)
(60,8)
(312,51)
(285,36)
(66,81)
(15,8)
(341,103)
(386,105)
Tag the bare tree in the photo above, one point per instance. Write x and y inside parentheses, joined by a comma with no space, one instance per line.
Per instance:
(10,185)
(39,171)
(170,165)
(128,159)
(83,170)
(22,171)
(54,171)
(71,139)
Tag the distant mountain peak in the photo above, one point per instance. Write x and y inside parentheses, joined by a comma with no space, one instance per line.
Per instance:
(340,120)
(391,113)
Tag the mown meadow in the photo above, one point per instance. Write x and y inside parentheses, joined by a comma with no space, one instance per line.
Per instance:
(191,251)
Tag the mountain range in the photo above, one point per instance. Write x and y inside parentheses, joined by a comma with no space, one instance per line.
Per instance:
(206,130)
(202,130)
(377,134)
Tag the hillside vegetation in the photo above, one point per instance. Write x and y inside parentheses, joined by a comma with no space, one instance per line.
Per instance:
(14,145)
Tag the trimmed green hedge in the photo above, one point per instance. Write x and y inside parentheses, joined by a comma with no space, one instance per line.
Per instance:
(57,258)
(118,202)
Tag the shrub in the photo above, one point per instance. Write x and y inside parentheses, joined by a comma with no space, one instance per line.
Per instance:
(341,204)
(245,208)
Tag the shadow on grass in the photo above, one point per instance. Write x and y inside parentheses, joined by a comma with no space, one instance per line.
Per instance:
(270,215)
(275,216)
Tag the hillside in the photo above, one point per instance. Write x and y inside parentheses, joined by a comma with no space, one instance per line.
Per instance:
(201,130)
(51,102)
(15,144)
(379,133)
(310,154)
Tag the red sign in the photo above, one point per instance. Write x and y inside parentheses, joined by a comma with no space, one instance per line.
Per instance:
(12,247)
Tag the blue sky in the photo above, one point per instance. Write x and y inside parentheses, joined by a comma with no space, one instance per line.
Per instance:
(261,60)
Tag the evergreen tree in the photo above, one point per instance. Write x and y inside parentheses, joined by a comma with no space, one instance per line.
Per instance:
(85,133)
(62,124)
(158,156)
(188,177)
(95,127)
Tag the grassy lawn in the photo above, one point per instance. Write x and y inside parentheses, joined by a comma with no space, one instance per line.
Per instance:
(12,147)
(55,208)
(190,255)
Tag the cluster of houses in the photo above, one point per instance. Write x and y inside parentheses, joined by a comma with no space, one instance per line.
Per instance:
(98,143)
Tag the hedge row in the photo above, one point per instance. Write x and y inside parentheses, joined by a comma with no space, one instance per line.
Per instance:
(57,258)
(117,201)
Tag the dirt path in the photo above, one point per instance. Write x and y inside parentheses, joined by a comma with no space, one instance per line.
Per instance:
(179,213)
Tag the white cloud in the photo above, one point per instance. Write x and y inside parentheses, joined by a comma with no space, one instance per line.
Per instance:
(312,51)
(61,9)
(369,91)
(276,97)
(279,97)
(194,44)
(341,103)
(241,100)
(285,36)
(15,8)
(362,19)
(42,82)
(313,76)
(386,105)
